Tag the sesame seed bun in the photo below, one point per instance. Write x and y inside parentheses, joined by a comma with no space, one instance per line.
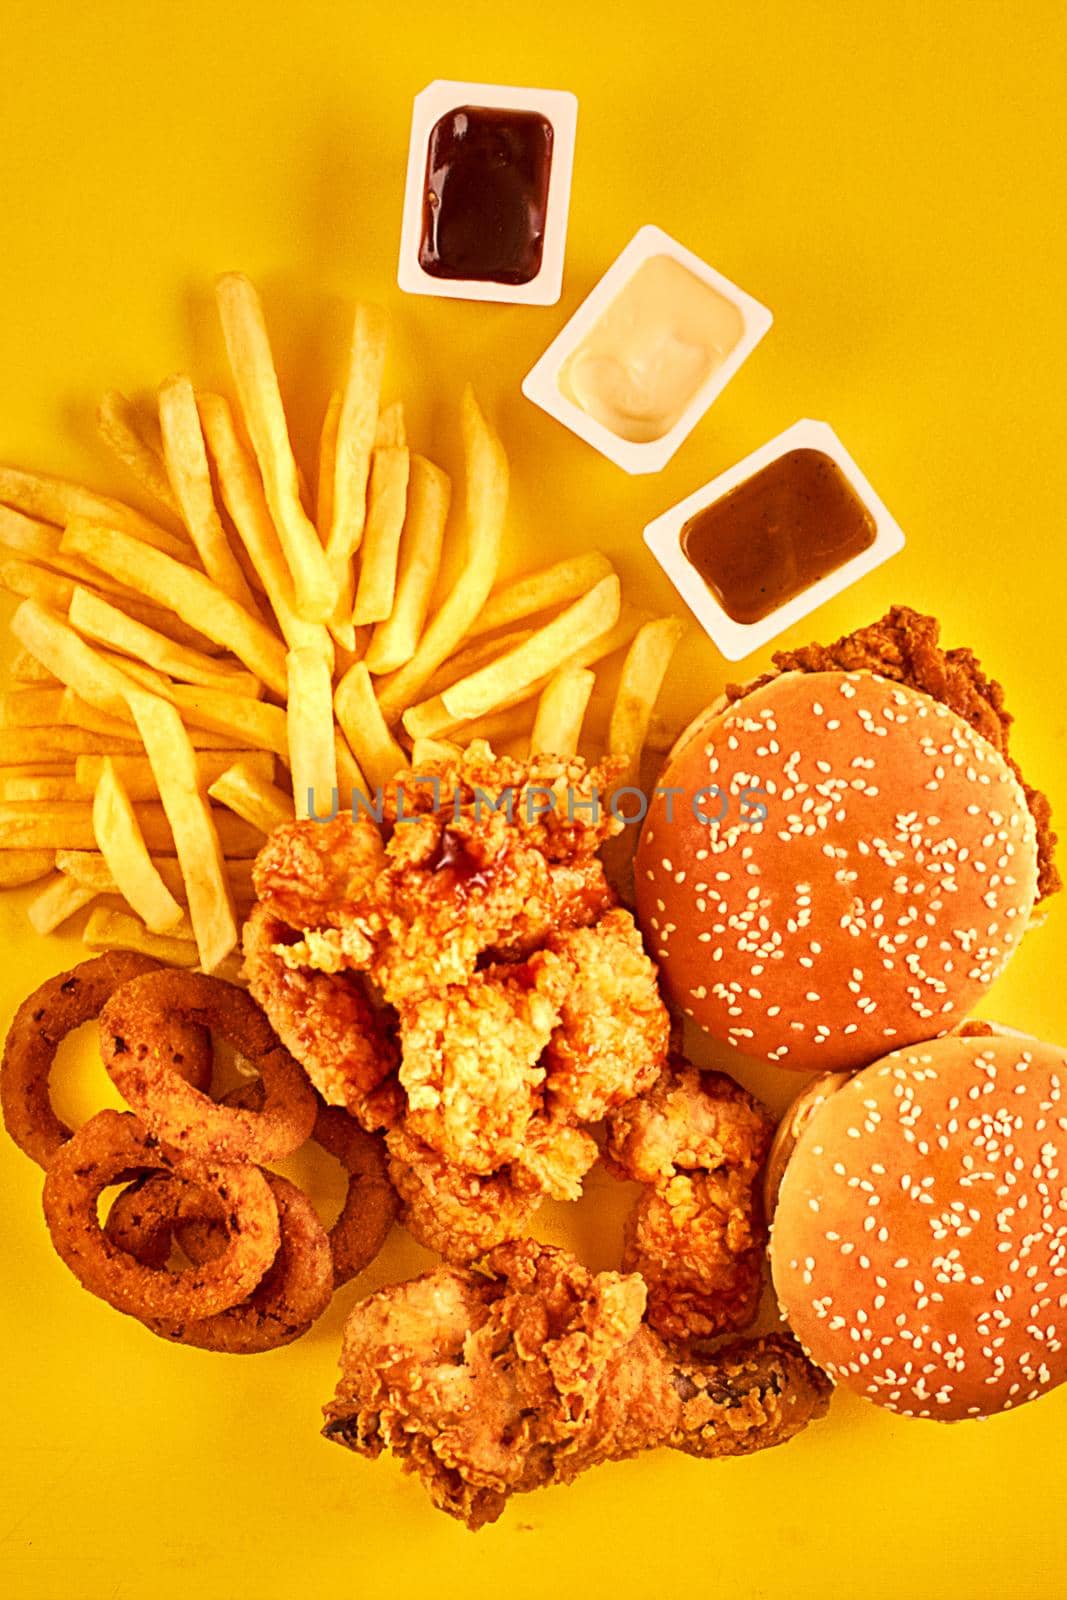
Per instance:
(918,1248)
(886,887)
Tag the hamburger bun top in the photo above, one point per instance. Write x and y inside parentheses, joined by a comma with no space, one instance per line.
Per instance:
(919,1246)
(884,887)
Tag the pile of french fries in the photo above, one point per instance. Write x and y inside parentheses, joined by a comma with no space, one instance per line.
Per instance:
(185,681)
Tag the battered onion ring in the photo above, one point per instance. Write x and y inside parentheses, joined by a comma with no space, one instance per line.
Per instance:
(113,1146)
(43,1021)
(294,1292)
(132,1040)
(370,1206)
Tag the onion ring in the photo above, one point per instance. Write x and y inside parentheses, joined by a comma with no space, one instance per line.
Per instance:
(292,1294)
(113,1146)
(179,1114)
(43,1021)
(370,1206)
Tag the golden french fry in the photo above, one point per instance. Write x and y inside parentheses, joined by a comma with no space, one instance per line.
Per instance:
(365,728)
(185,455)
(192,595)
(90,868)
(96,618)
(510,723)
(252,724)
(31,708)
(35,583)
(520,668)
(64,652)
(536,591)
(473,656)
(47,768)
(135,771)
(53,744)
(147,677)
(426,753)
(642,676)
(560,712)
(37,787)
(39,543)
(612,639)
(245,792)
(68,825)
(356,426)
(58,901)
(487,499)
(122,846)
(26,669)
(19,867)
(111,929)
(245,332)
(418,562)
(57,501)
(196,837)
(386,507)
(75,713)
(391,430)
(312,753)
(241,488)
(126,435)
(327,457)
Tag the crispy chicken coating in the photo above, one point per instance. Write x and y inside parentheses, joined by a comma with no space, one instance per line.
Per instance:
(495,1382)
(904,647)
(697,1234)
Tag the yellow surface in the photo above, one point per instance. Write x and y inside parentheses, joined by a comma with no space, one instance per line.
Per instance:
(889,179)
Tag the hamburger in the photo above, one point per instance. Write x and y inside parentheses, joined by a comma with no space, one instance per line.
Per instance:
(841,858)
(919,1239)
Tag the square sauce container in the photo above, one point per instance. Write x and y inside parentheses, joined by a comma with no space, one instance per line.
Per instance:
(647,352)
(772,538)
(487,193)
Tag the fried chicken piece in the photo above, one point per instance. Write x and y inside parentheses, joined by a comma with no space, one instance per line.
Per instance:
(493,1383)
(471,1060)
(697,1234)
(458,1214)
(554,1158)
(328,1023)
(318,874)
(612,1039)
(904,647)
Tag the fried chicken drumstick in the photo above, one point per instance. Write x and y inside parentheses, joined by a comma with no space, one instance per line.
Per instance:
(494,1381)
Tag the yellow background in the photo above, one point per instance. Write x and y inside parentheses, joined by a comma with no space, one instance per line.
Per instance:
(889,179)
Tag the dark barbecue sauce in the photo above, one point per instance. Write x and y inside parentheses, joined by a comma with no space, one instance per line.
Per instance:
(466,870)
(777,533)
(487,176)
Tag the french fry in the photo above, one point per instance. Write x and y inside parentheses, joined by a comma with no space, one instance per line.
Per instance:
(312,753)
(96,618)
(90,868)
(500,727)
(192,595)
(418,562)
(612,639)
(252,724)
(196,836)
(74,662)
(433,753)
(135,771)
(356,426)
(487,498)
(26,669)
(52,744)
(56,903)
(185,455)
(110,929)
(560,712)
(19,867)
(57,501)
(537,591)
(38,542)
(126,435)
(350,778)
(252,365)
(147,677)
(241,488)
(59,768)
(365,728)
(473,656)
(35,583)
(122,846)
(391,431)
(30,708)
(74,712)
(386,506)
(582,622)
(68,825)
(327,457)
(38,787)
(245,792)
(642,676)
